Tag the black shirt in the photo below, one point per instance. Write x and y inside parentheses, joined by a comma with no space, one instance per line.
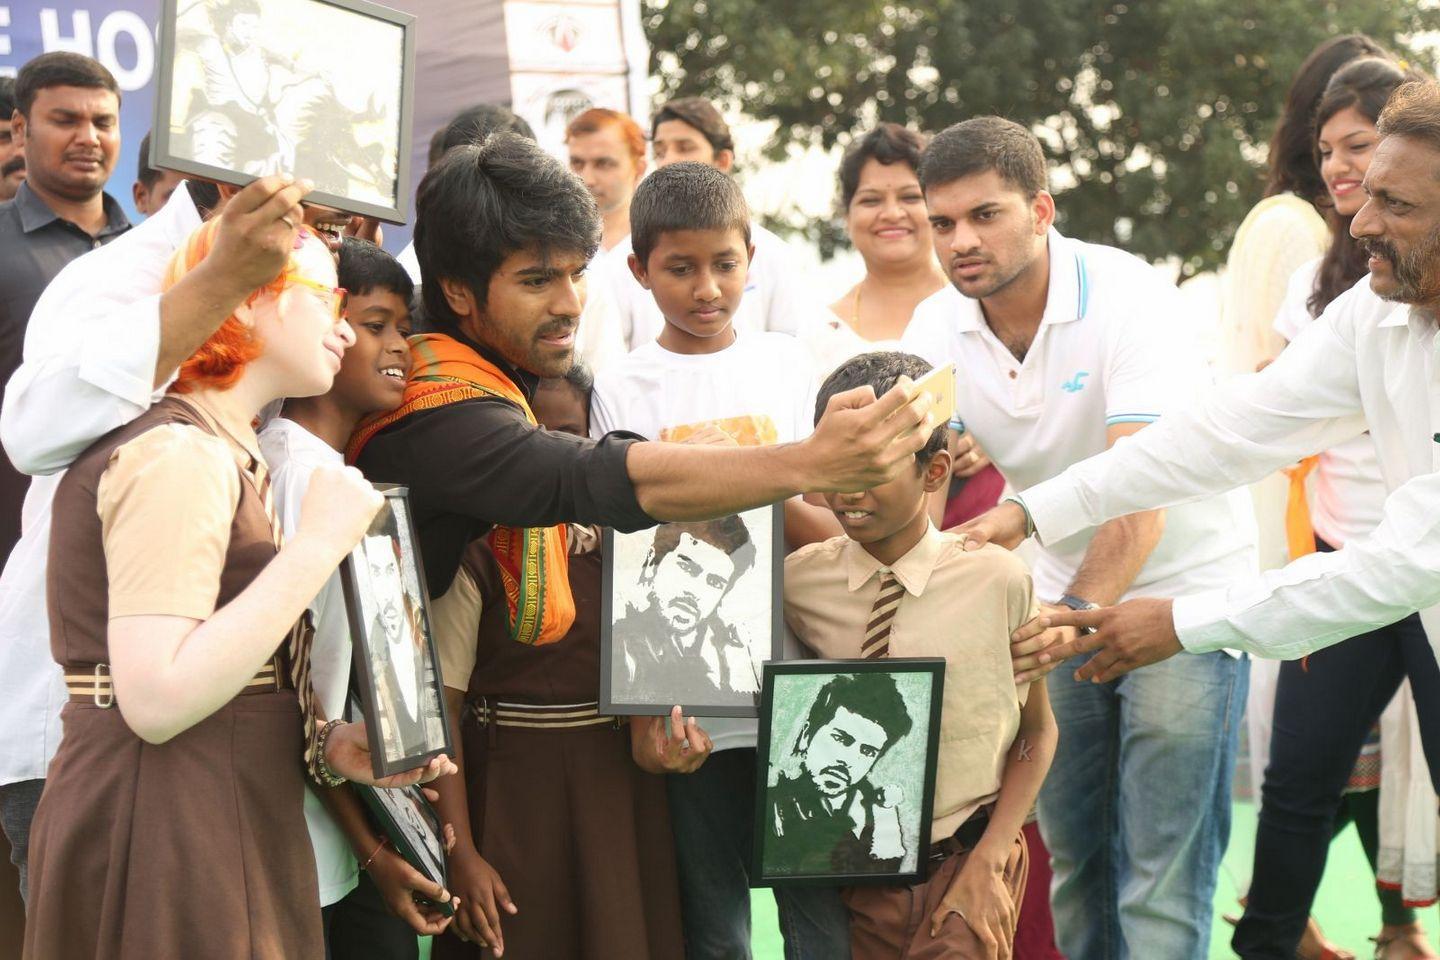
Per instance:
(479,463)
(35,245)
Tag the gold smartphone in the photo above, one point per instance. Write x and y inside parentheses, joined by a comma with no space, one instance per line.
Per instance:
(940,384)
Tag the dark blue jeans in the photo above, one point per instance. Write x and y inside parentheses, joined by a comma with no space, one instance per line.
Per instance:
(1136,809)
(17,808)
(712,813)
(1324,709)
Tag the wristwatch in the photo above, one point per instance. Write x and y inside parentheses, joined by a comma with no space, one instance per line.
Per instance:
(1076,603)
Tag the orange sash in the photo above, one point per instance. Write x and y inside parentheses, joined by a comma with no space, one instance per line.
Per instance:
(534,563)
(1299,533)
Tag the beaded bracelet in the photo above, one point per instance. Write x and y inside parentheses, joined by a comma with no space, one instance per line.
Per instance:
(325,776)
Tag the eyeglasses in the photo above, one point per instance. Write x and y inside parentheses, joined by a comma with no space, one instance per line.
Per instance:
(335,297)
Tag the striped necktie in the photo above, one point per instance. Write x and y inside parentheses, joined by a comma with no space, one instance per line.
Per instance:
(302,634)
(882,617)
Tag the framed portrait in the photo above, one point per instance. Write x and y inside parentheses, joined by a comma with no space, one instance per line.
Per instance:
(846,782)
(249,88)
(690,612)
(406,817)
(396,667)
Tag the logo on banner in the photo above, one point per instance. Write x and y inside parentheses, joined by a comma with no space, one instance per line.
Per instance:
(563,31)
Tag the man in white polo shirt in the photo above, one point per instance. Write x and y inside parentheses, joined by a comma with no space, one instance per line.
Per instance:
(1061,348)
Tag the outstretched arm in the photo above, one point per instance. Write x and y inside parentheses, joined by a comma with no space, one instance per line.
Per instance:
(1307,400)
(858,443)
(500,469)
(1310,604)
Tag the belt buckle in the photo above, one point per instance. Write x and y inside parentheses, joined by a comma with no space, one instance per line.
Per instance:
(105,702)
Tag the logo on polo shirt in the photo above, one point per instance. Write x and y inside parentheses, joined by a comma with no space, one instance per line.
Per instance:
(1076,383)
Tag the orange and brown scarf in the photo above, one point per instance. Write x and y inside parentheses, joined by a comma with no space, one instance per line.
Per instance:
(533,561)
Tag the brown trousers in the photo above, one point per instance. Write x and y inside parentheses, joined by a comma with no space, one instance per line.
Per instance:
(893,923)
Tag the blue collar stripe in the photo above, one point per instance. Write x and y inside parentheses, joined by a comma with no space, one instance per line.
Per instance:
(1082,278)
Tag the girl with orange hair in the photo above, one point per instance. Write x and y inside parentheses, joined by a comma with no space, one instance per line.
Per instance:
(171,824)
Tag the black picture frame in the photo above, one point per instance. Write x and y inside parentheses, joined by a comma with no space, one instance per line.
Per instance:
(405,576)
(413,828)
(620,696)
(299,125)
(797,861)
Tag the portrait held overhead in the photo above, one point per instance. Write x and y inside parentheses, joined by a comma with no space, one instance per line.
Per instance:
(244,93)
(692,614)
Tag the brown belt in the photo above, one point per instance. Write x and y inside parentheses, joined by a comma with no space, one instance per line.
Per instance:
(539,715)
(92,684)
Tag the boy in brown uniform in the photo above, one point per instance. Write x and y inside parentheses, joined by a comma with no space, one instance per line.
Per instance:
(565,806)
(894,586)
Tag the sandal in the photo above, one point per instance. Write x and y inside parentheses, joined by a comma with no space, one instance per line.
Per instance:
(1314,946)
(1412,944)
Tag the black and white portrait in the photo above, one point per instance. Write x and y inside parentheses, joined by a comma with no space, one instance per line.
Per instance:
(247,90)
(692,614)
(412,826)
(400,690)
(848,757)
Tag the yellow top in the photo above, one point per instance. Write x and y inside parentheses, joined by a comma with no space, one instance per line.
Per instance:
(1278,236)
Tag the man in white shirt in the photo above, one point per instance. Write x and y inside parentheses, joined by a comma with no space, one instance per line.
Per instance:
(1061,348)
(1369,360)
(776,297)
(102,345)
(607,151)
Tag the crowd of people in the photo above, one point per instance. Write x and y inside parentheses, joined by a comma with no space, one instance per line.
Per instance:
(198,407)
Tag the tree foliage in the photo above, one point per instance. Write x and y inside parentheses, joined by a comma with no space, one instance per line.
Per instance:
(1155,113)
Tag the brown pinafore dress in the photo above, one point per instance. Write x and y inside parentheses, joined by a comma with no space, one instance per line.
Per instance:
(579,834)
(192,848)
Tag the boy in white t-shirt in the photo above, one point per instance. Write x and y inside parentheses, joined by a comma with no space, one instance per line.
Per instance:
(702,381)
(373,915)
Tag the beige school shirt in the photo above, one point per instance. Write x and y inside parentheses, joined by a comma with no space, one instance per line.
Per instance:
(958,605)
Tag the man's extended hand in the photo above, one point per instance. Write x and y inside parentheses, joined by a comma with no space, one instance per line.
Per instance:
(1002,525)
(861,442)
(1033,639)
(257,232)
(1128,636)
